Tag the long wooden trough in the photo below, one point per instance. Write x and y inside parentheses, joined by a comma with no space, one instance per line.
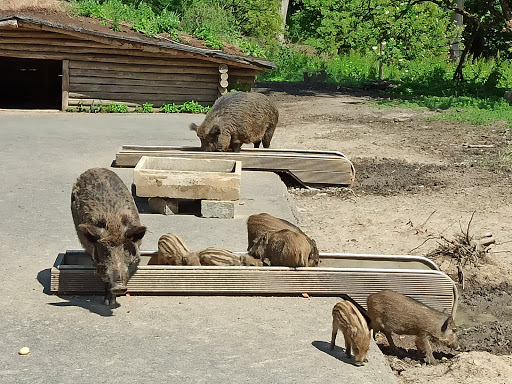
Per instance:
(309,167)
(338,274)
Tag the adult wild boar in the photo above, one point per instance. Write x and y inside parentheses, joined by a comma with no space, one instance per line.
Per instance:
(263,223)
(286,248)
(346,316)
(108,226)
(237,118)
(392,312)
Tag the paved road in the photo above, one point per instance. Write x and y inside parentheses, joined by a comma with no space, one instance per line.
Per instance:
(168,339)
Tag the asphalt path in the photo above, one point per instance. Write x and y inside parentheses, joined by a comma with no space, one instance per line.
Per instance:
(165,339)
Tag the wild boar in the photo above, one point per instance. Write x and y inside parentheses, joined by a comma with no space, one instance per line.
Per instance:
(392,312)
(108,226)
(222,257)
(287,248)
(346,316)
(171,250)
(258,225)
(237,118)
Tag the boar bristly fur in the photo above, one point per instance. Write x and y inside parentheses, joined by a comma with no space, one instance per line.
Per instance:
(391,312)
(346,316)
(263,223)
(108,227)
(237,118)
(286,248)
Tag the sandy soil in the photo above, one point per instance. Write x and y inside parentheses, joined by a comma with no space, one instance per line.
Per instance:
(417,186)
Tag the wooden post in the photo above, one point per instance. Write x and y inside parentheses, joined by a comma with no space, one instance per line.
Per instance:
(65,85)
(455,51)
(223,79)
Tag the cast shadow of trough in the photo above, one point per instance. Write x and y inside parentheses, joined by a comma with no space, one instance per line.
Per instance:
(94,304)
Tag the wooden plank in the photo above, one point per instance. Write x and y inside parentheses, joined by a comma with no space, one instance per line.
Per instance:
(156,100)
(168,89)
(40,43)
(203,94)
(112,75)
(65,84)
(88,102)
(8,24)
(172,67)
(29,34)
(308,167)
(154,81)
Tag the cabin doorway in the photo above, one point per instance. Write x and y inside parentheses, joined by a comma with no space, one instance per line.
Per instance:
(30,83)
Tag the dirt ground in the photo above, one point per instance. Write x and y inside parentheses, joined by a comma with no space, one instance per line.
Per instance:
(418,186)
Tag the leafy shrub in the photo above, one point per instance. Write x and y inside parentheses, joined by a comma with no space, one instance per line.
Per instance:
(186,107)
(117,108)
(144,108)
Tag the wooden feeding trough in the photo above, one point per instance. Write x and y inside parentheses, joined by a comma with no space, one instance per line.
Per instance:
(308,167)
(338,274)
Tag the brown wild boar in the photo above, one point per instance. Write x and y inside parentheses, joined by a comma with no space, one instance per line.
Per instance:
(286,248)
(237,118)
(346,316)
(108,226)
(391,312)
(171,250)
(258,225)
(222,257)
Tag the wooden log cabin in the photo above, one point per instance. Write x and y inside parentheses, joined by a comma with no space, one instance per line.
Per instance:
(47,64)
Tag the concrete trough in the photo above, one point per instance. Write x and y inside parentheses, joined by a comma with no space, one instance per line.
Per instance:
(182,178)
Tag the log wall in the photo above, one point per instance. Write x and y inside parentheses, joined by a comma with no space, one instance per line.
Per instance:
(98,73)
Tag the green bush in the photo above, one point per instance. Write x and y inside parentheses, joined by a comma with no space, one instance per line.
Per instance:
(186,107)
(117,108)
(144,108)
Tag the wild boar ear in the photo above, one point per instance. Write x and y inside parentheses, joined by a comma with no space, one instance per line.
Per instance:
(215,130)
(193,127)
(444,327)
(91,232)
(135,233)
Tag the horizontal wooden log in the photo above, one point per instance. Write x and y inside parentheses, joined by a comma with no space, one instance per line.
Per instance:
(114,88)
(223,83)
(223,76)
(19,33)
(72,102)
(54,44)
(143,98)
(139,75)
(155,81)
(178,68)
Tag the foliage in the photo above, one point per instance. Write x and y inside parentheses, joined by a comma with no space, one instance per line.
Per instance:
(144,108)
(186,107)
(385,28)
(141,15)
(117,108)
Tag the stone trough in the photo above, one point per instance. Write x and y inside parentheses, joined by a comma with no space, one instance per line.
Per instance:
(166,180)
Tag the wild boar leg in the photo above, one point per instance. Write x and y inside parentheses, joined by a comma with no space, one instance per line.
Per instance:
(110,298)
(423,345)
(390,341)
(267,137)
(348,346)
(257,144)
(334,333)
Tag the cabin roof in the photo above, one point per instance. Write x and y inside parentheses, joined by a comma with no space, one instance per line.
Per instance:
(95,31)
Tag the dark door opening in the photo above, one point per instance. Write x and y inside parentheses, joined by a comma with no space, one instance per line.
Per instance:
(30,83)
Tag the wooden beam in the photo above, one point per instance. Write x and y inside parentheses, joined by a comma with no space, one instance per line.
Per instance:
(148,66)
(139,90)
(145,97)
(65,84)
(114,74)
(186,82)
